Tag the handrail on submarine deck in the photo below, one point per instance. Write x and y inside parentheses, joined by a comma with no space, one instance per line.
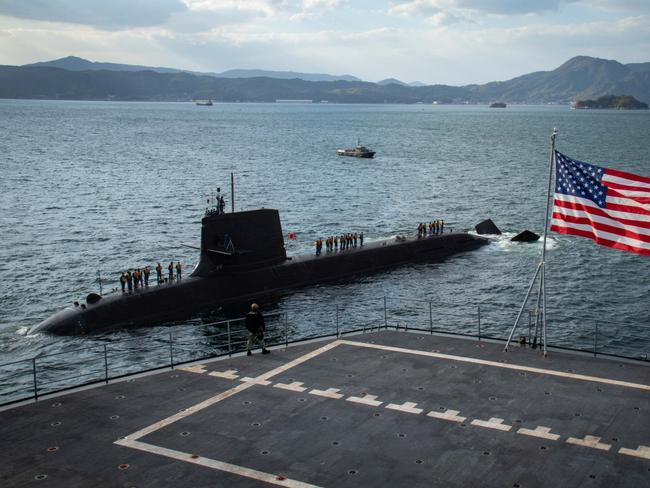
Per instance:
(171,350)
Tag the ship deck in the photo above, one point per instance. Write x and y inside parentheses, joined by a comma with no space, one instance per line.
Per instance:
(377,409)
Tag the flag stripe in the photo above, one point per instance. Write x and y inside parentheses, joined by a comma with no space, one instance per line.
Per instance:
(599,240)
(627,188)
(602,234)
(627,176)
(622,205)
(602,220)
(590,207)
(635,201)
(569,219)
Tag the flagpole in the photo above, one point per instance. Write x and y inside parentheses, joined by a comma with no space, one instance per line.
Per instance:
(548,204)
(541,266)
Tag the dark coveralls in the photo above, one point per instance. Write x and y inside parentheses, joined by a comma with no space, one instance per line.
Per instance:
(256,327)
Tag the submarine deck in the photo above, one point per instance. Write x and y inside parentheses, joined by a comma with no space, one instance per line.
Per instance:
(377,409)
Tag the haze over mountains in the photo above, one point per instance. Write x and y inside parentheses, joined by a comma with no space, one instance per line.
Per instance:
(74,63)
(77,79)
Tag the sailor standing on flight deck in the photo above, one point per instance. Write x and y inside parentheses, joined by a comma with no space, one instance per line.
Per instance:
(159,272)
(123,281)
(129,281)
(256,327)
(178,271)
(170,268)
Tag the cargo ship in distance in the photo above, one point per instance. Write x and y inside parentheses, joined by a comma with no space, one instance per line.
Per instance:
(243,259)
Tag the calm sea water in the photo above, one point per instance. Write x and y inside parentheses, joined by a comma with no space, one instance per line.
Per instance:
(96,186)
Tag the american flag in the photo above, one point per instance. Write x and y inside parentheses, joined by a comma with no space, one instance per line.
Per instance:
(609,206)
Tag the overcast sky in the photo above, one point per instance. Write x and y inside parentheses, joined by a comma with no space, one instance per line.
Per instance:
(434,41)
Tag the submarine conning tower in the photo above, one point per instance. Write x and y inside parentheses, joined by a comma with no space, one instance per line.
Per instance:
(247,239)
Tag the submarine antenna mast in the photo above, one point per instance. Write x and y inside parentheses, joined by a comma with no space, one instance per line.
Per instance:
(541,267)
(232,192)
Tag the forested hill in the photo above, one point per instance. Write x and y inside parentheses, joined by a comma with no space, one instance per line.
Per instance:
(579,78)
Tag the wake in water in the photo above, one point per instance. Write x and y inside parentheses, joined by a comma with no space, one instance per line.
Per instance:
(503,242)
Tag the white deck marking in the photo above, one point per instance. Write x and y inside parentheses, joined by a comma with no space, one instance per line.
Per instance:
(365,400)
(255,381)
(329,393)
(228,393)
(493,423)
(589,441)
(197,368)
(295,386)
(189,411)
(408,407)
(451,415)
(228,374)
(642,452)
(485,362)
(539,431)
(275,479)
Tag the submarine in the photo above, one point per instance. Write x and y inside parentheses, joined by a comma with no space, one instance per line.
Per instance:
(243,259)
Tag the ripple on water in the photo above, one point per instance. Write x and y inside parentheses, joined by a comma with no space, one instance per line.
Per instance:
(134,189)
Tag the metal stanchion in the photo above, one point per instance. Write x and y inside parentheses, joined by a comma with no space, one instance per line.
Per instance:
(105,364)
(479,323)
(171,351)
(35,384)
(430,317)
(229,343)
(337,322)
(286,330)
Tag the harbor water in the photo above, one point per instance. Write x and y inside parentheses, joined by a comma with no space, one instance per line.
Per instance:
(101,187)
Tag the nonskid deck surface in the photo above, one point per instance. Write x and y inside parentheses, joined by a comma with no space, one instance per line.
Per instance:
(380,409)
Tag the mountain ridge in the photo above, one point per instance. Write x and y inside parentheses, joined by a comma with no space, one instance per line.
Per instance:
(581,77)
(74,63)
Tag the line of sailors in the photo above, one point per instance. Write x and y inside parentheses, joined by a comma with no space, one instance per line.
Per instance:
(435,227)
(139,278)
(342,242)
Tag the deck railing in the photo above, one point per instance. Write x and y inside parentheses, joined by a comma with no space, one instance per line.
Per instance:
(107,360)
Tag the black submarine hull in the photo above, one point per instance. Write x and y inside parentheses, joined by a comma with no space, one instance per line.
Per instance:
(225,276)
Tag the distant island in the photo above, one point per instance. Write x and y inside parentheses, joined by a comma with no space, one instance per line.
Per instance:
(498,105)
(623,102)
